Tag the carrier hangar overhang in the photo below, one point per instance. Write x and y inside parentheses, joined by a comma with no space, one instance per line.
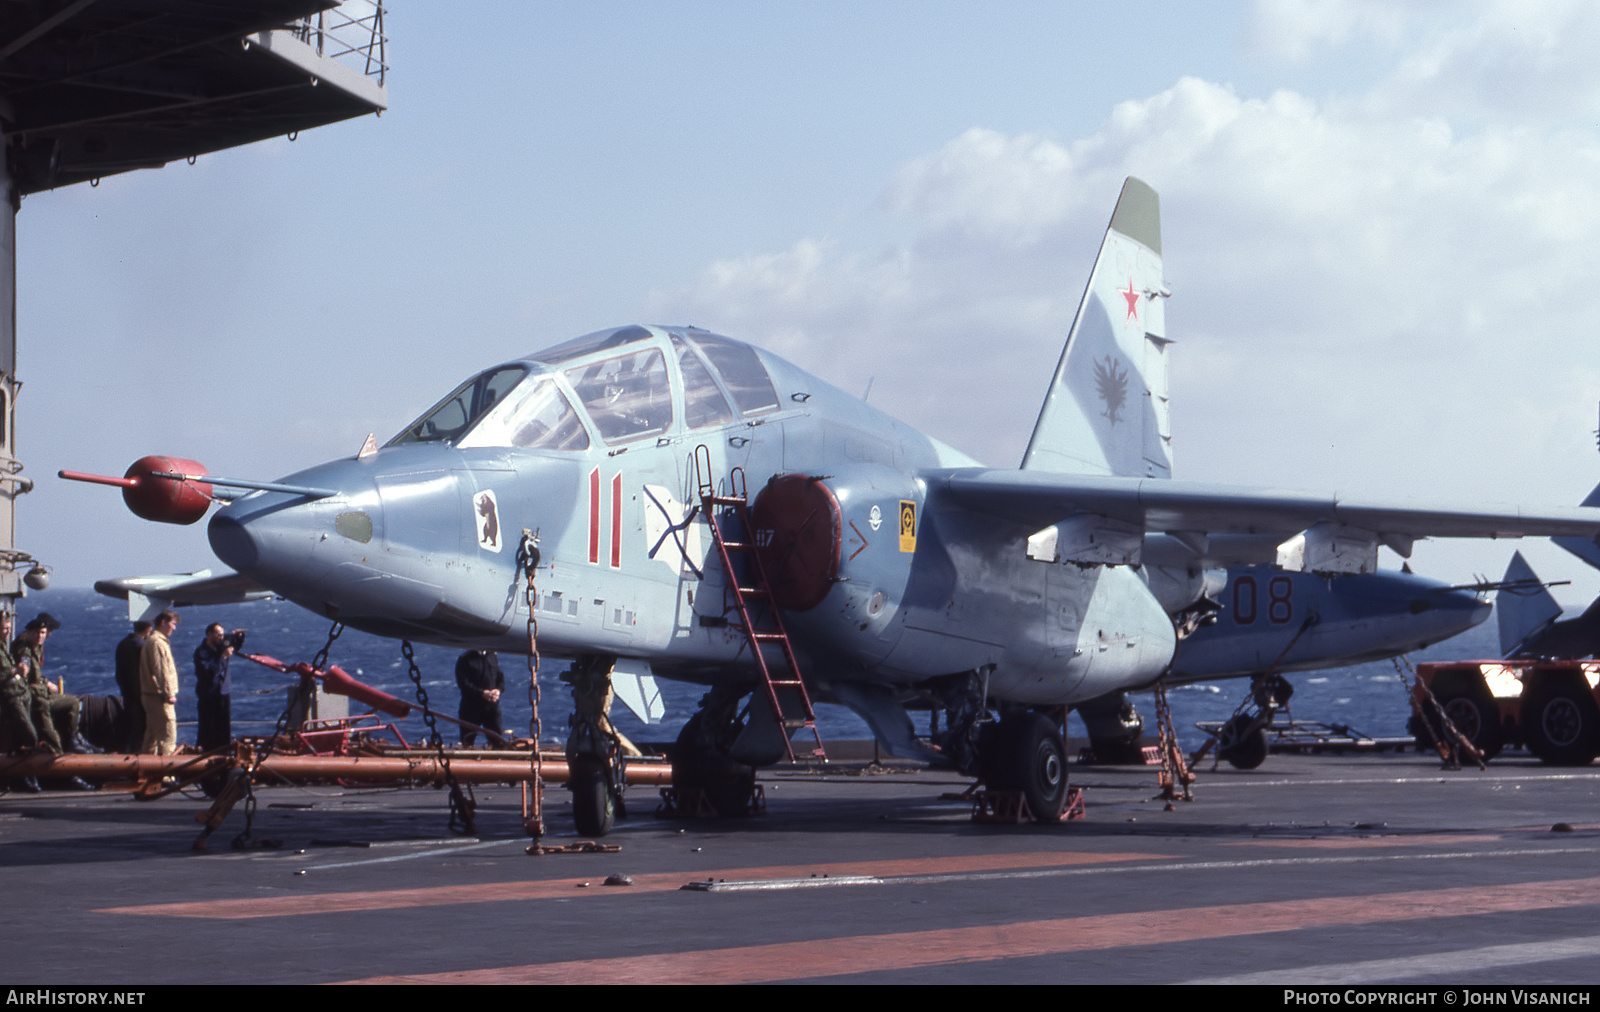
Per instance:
(91,88)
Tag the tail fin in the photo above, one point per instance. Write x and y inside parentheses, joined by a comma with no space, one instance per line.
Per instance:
(1106,411)
(1587,549)
(1524,613)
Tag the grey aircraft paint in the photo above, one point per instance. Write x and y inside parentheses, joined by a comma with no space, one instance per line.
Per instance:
(1034,579)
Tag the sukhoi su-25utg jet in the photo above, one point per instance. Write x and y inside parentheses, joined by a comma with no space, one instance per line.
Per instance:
(903,571)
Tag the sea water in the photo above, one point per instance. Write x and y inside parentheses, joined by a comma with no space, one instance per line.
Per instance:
(1369,698)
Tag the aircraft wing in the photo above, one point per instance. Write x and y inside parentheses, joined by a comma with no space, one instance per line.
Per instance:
(1099,519)
(148,595)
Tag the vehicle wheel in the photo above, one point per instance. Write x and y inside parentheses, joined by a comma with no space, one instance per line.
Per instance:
(1241,743)
(1025,753)
(592,805)
(1472,710)
(1560,721)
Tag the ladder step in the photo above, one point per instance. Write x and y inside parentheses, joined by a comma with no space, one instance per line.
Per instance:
(766,637)
(738,546)
(755,592)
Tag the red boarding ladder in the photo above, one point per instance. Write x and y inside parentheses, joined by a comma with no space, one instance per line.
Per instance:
(782,678)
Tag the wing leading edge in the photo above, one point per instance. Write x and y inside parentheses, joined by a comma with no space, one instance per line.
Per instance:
(1323,532)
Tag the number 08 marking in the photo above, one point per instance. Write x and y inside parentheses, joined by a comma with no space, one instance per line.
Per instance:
(1280,600)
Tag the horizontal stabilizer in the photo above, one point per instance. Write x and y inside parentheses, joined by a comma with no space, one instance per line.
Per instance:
(1584,548)
(148,595)
(1524,609)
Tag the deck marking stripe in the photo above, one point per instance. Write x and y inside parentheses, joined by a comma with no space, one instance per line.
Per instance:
(772,885)
(1436,964)
(832,957)
(1266,862)
(1476,778)
(1354,843)
(458,848)
(493,892)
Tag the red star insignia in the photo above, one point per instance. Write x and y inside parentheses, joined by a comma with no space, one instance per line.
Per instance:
(1133,299)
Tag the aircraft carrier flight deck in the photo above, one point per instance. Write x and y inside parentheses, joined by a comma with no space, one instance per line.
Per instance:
(1315,870)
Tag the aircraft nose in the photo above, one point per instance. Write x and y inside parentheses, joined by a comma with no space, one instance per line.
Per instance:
(1458,610)
(287,541)
(233,543)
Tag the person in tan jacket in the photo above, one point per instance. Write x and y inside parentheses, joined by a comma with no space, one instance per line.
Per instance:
(158,687)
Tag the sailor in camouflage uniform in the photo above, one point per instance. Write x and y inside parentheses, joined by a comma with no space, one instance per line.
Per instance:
(16,699)
(49,704)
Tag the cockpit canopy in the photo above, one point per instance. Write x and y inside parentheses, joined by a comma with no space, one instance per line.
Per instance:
(627,394)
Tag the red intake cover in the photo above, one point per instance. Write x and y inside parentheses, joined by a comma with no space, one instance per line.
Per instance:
(798,527)
(163,499)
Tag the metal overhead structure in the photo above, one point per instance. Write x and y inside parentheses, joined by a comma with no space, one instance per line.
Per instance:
(92,88)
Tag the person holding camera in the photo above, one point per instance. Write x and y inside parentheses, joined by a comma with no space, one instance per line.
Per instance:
(211,685)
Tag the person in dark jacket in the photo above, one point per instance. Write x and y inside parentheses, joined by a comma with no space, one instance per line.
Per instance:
(211,685)
(481,681)
(128,685)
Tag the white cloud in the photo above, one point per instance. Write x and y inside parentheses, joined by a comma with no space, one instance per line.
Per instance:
(1295,29)
(1372,292)
(1532,59)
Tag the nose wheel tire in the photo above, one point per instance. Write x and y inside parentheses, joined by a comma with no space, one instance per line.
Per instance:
(1025,753)
(593,808)
(1241,743)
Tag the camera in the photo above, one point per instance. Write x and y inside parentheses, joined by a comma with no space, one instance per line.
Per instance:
(235,640)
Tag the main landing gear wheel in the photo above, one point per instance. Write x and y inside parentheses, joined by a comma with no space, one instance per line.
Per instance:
(593,809)
(1242,742)
(1025,753)
(728,785)
(1560,722)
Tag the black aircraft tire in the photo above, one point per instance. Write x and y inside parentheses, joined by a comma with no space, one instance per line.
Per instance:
(1560,722)
(1472,710)
(592,807)
(1025,753)
(1243,748)
(728,785)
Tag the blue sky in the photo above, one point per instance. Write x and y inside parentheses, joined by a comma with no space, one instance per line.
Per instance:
(1380,225)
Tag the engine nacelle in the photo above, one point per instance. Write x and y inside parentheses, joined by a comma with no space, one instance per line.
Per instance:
(838,551)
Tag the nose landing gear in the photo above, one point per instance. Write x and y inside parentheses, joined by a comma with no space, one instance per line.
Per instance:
(595,749)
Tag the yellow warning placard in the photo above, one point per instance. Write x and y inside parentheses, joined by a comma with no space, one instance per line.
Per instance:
(908,525)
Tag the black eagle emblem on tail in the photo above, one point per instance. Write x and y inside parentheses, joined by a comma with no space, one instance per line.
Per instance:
(1111,382)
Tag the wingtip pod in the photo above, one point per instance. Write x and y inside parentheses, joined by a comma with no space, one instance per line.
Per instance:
(1138,214)
(167,490)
